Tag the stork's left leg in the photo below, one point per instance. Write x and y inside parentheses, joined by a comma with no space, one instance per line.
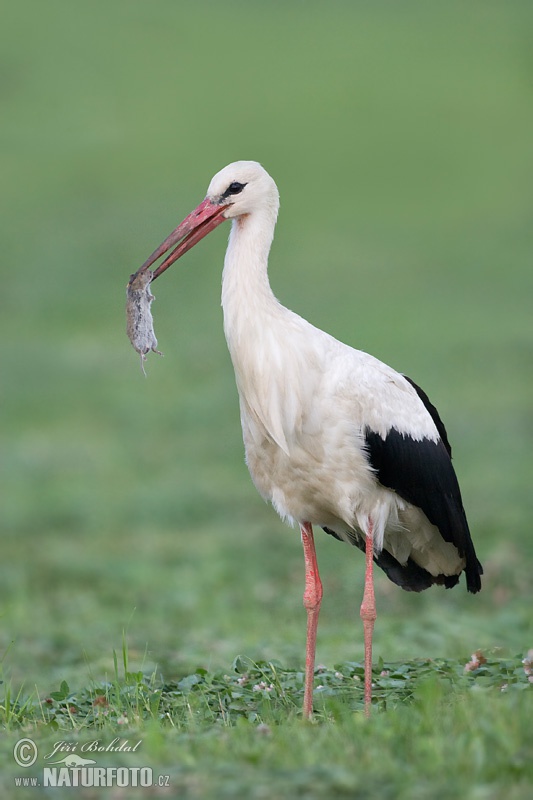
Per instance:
(368,614)
(312,601)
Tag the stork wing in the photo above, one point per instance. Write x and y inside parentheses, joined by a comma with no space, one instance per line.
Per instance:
(421,472)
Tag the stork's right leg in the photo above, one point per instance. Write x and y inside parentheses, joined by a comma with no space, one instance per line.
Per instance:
(368,615)
(312,600)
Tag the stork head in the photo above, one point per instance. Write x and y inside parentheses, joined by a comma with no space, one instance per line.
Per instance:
(243,187)
(240,189)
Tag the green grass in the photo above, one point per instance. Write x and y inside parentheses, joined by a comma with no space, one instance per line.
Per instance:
(239,733)
(400,138)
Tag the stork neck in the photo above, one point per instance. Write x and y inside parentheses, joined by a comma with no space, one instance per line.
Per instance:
(246,289)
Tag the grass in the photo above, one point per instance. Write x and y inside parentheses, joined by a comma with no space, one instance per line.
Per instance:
(240,733)
(258,692)
(137,560)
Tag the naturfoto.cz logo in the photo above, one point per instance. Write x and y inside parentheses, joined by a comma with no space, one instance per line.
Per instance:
(66,767)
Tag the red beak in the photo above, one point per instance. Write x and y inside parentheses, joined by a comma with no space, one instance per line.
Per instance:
(204,219)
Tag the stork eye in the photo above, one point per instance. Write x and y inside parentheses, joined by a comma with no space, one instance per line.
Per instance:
(234,188)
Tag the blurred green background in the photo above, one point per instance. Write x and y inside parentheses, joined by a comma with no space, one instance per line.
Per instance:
(400,138)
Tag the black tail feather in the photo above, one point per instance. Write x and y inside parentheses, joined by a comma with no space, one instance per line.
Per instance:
(410,576)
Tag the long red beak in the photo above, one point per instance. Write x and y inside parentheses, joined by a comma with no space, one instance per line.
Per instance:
(204,219)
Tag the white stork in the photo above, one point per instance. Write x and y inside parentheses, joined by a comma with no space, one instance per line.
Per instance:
(333,437)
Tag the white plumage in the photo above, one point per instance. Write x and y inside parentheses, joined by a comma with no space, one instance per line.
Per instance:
(333,437)
(306,398)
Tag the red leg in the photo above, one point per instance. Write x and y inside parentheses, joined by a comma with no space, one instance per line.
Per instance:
(312,600)
(368,615)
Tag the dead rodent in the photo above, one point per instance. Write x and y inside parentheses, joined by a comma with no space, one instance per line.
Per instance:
(140,323)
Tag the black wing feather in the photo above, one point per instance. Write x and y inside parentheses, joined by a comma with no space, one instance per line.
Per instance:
(434,414)
(421,472)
